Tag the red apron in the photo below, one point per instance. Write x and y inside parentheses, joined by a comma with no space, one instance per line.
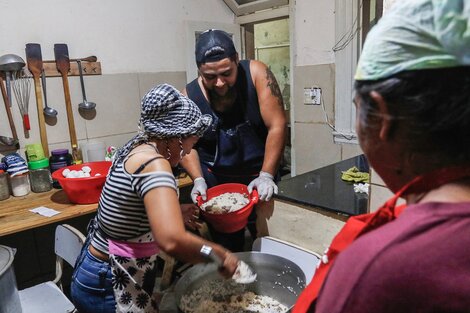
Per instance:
(358,225)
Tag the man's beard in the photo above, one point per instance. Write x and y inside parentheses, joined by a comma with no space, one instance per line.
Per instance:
(225,102)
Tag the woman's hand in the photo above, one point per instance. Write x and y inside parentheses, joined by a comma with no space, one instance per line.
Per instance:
(230,264)
(190,213)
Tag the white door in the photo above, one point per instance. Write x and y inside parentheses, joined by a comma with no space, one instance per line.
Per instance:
(193,29)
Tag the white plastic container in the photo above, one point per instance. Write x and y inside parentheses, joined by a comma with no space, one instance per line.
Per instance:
(95,151)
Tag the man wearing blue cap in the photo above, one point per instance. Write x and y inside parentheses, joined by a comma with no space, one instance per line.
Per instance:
(246,139)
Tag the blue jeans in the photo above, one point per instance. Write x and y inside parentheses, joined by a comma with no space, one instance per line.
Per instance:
(91,288)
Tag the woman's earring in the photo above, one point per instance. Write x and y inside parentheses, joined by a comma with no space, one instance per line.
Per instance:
(167,150)
(181,148)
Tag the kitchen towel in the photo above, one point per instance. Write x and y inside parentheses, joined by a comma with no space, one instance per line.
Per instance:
(354,175)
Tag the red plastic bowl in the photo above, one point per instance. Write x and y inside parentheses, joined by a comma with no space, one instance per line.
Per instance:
(233,221)
(84,190)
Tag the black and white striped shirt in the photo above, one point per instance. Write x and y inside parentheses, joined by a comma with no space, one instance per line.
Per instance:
(121,213)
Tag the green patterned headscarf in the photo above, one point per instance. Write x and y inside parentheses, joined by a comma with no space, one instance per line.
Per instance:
(417,34)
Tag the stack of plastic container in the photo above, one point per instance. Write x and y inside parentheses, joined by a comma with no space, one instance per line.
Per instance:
(38,164)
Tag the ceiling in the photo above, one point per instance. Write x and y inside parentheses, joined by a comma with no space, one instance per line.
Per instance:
(242,7)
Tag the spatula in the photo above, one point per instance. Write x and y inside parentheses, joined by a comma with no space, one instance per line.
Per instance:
(62,61)
(34,60)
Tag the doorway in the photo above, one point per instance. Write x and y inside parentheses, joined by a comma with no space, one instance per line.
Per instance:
(269,42)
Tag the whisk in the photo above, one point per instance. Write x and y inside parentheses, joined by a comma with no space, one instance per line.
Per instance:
(21,87)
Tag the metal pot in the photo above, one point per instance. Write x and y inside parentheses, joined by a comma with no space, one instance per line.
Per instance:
(9,297)
(278,278)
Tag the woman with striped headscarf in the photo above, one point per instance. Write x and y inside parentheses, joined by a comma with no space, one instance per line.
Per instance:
(139,213)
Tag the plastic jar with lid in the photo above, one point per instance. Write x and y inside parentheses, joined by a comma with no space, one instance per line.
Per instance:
(4,186)
(40,175)
(59,158)
(20,185)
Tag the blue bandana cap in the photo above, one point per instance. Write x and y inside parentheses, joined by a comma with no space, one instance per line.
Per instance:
(167,113)
(214,45)
(416,35)
(15,164)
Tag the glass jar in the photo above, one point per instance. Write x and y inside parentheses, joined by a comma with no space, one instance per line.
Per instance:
(20,185)
(59,158)
(4,186)
(40,175)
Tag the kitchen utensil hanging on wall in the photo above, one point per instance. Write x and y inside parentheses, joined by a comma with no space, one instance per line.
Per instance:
(22,87)
(4,140)
(48,111)
(85,105)
(34,59)
(61,53)
(10,64)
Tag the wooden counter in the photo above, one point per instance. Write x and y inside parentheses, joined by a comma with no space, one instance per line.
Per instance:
(15,215)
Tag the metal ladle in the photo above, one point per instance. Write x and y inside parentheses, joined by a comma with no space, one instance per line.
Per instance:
(85,105)
(8,141)
(48,111)
(10,63)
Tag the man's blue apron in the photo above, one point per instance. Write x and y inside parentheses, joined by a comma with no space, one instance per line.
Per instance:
(236,153)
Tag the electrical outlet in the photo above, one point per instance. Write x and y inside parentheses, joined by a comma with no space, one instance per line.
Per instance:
(312,96)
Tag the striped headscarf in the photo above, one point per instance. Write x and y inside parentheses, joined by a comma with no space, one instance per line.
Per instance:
(166,113)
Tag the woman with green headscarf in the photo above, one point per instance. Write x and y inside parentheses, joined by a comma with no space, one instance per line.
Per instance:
(413,124)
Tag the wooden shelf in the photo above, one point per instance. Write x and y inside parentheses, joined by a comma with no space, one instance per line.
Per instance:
(89,68)
(16,217)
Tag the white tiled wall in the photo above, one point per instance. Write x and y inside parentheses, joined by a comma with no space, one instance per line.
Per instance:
(115,118)
(312,138)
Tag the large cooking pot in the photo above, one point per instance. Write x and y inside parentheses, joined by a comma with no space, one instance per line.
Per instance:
(9,297)
(277,277)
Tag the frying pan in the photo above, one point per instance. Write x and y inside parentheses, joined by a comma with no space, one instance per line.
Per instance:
(278,278)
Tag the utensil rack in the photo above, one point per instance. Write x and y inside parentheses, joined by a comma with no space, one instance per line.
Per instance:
(89,68)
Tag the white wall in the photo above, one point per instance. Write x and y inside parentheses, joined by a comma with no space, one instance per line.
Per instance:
(139,43)
(126,36)
(313,64)
(314,33)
